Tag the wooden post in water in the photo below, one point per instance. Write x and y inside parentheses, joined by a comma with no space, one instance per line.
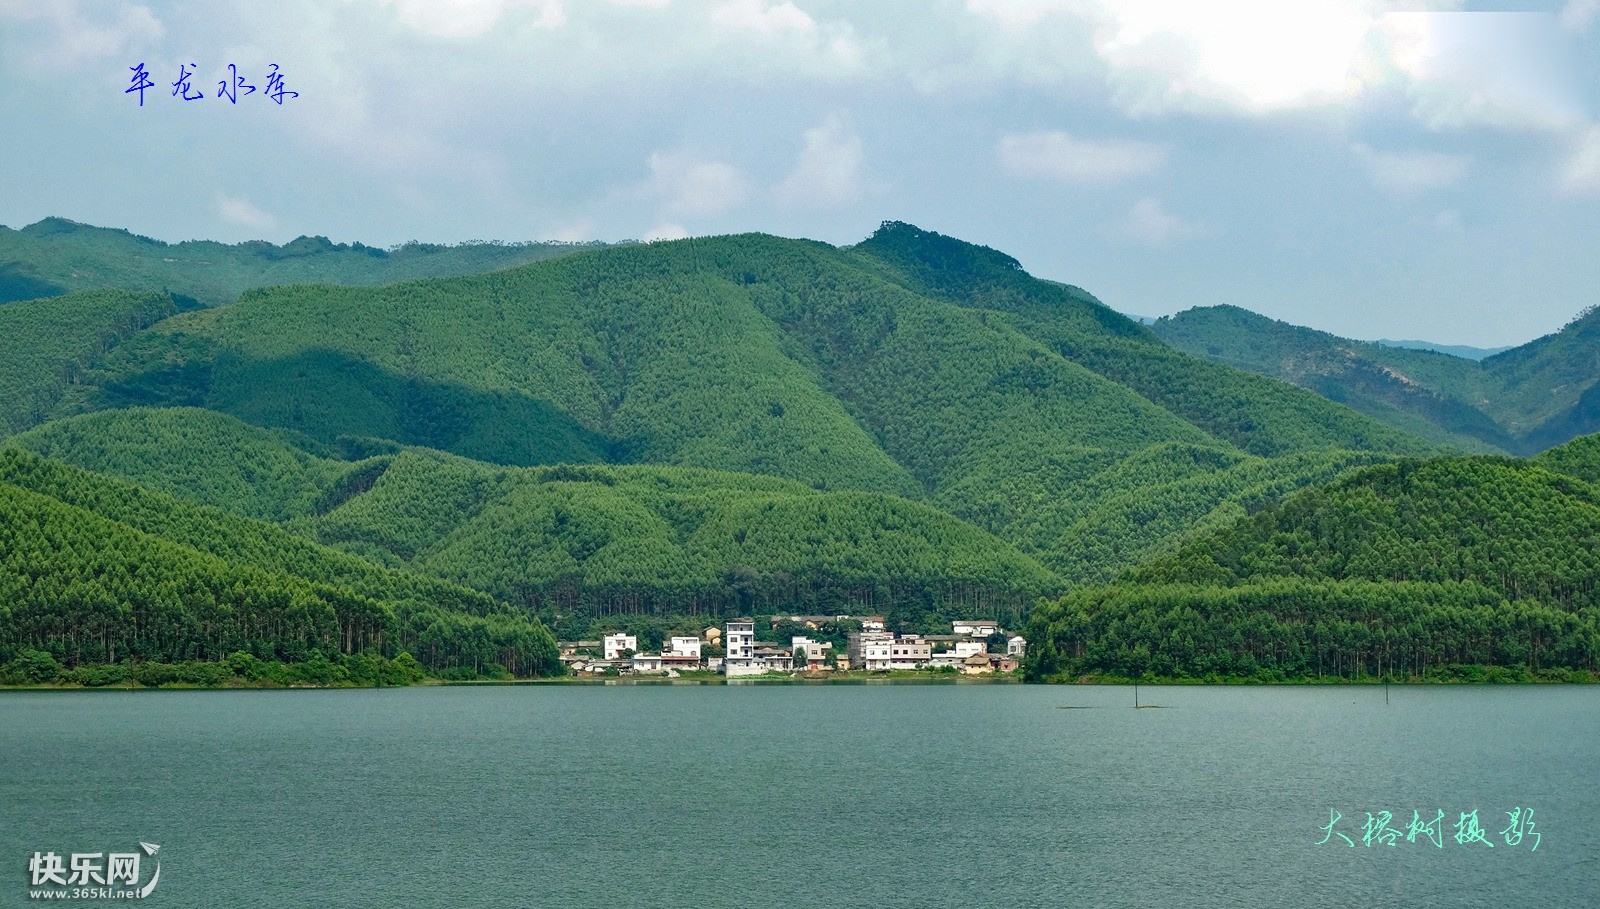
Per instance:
(1136,695)
(1386,690)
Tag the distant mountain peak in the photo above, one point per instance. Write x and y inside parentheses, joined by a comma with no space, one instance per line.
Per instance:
(1464,351)
(936,250)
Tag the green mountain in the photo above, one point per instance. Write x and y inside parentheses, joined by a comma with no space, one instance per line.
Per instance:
(1521,400)
(1548,390)
(911,426)
(1261,417)
(1579,458)
(55,256)
(206,458)
(912,365)
(46,343)
(98,570)
(1405,568)
(596,538)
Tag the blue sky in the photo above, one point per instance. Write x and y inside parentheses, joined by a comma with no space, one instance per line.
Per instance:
(1425,170)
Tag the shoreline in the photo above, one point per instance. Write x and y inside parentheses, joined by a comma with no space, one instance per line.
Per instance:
(863,679)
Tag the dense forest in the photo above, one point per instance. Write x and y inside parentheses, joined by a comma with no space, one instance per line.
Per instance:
(758,355)
(1263,418)
(365,483)
(1520,401)
(598,539)
(1579,458)
(97,571)
(1405,568)
(45,344)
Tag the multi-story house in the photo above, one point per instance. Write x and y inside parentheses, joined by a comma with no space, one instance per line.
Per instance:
(739,641)
(870,650)
(617,644)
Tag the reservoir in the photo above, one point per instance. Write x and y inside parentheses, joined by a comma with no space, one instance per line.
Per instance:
(917,795)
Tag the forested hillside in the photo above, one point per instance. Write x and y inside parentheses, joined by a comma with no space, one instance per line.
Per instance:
(55,256)
(593,538)
(1261,417)
(1522,400)
(1548,390)
(45,344)
(93,570)
(205,457)
(1579,458)
(913,426)
(1403,568)
(1013,410)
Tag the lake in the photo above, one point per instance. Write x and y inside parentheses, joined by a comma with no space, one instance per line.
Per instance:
(808,795)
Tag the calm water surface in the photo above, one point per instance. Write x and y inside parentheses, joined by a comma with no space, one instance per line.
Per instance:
(903,795)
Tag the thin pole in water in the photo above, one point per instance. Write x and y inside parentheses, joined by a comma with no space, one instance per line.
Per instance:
(1136,695)
(1386,691)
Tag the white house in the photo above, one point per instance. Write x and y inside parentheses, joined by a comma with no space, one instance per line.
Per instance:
(810,654)
(870,650)
(646,662)
(773,659)
(977,628)
(1016,646)
(680,662)
(615,644)
(689,647)
(739,642)
(965,649)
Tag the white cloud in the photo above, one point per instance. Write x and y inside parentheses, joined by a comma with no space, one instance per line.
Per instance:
(1453,68)
(471,18)
(1245,55)
(574,231)
(238,211)
(1151,224)
(828,174)
(1412,171)
(1463,70)
(1229,57)
(79,36)
(756,16)
(666,230)
(1582,171)
(1577,14)
(828,47)
(1059,156)
(1020,15)
(688,187)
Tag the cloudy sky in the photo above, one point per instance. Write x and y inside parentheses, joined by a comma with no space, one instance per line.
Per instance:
(1376,170)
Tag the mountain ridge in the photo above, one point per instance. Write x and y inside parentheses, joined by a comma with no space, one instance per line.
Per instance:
(990,400)
(1521,400)
(911,426)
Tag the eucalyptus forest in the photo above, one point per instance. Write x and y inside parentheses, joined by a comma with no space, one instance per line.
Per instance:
(333,464)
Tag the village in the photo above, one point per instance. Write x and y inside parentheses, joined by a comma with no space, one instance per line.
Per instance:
(733,651)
